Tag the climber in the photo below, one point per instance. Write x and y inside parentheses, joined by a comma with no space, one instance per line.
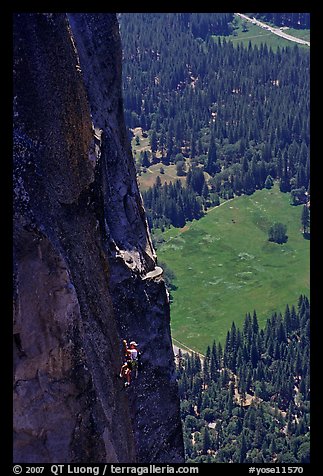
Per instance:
(134,355)
(130,363)
(132,351)
(125,373)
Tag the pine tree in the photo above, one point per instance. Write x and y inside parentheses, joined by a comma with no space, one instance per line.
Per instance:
(193,145)
(205,191)
(180,168)
(145,159)
(255,325)
(206,368)
(269,182)
(153,142)
(243,448)
(259,433)
(287,320)
(158,182)
(212,167)
(305,219)
(254,355)
(214,364)
(247,329)
(229,405)
(206,440)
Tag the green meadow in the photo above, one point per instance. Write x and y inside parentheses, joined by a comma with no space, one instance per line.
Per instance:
(225,266)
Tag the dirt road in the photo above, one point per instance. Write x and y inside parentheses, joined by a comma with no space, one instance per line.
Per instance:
(184,349)
(276,31)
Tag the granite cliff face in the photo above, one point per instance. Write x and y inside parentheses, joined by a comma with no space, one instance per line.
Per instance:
(85,271)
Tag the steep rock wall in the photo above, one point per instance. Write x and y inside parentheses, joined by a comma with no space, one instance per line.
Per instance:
(82,252)
(141,305)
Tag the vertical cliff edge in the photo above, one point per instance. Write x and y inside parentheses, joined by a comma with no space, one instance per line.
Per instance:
(85,271)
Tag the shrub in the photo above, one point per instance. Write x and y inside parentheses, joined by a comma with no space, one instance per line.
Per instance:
(277,233)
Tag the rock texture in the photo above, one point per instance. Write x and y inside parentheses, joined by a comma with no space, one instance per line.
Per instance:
(85,271)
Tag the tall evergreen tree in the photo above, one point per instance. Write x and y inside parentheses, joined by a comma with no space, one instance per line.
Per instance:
(212,166)
(153,142)
(305,219)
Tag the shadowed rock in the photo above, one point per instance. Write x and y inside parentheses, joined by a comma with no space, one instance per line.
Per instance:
(81,252)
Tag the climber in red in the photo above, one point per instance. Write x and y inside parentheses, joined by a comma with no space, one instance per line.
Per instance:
(125,373)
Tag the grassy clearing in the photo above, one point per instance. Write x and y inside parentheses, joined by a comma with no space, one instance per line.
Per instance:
(148,178)
(225,267)
(143,144)
(303,34)
(257,35)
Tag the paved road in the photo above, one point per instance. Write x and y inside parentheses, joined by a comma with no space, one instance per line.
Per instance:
(276,31)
